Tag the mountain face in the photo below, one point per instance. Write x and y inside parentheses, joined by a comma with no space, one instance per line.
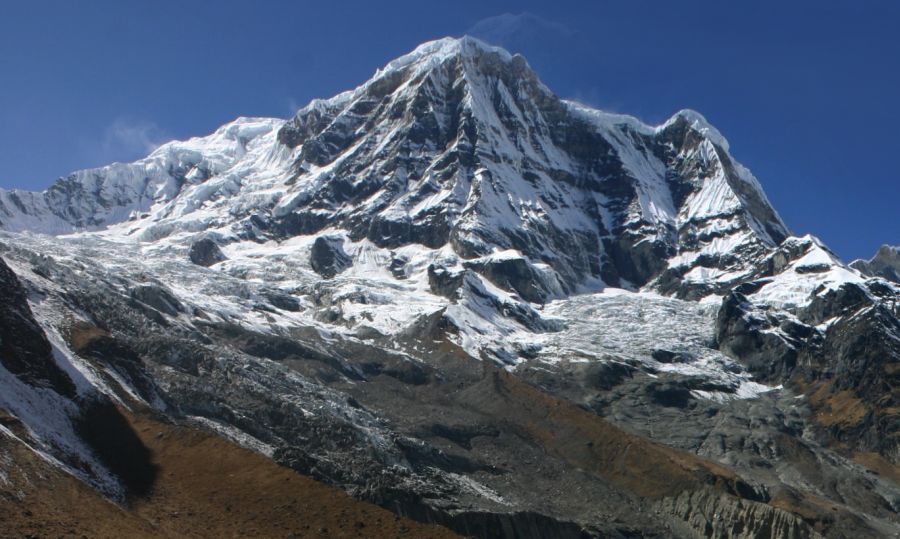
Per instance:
(885,263)
(456,295)
(456,145)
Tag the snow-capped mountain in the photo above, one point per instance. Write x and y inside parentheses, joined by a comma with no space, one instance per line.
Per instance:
(97,198)
(451,292)
(457,144)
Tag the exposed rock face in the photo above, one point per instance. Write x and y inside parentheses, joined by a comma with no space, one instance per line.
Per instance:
(592,209)
(205,252)
(857,380)
(885,264)
(24,349)
(757,339)
(157,297)
(516,274)
(714,515)
(327,257)
(444,281)
(841,349)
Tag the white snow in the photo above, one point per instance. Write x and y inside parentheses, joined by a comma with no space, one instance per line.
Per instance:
(815,273)
(48,419)
(697,122)
(621,326)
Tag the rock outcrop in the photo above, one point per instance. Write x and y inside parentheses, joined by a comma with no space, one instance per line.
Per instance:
(205,252)
(24,349)
(327,256)
(885,264)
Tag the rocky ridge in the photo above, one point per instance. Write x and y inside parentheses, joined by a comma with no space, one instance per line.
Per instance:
(885,264)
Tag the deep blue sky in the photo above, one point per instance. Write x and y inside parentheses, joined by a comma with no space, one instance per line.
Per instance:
(808,93)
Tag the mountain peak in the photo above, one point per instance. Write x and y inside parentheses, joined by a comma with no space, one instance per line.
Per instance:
(885,263)
(448,47)
(698,123)
(472,54)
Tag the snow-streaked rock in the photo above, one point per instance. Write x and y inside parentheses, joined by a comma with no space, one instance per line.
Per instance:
(885,263)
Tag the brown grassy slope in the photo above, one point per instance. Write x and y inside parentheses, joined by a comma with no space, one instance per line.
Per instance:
(206,487)
(590,443)
(651,470)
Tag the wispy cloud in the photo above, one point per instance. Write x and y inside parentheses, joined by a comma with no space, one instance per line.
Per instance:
(292,107)
(129,138)
(514,30)
(124,139)
(595,97)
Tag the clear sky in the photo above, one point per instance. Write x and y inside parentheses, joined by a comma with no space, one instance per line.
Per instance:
(808,93)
